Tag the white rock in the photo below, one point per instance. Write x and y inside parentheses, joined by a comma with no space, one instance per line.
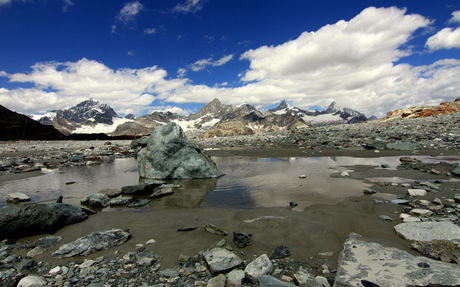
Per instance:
(218,281)
(303,176)
(17,197)
(32,281)
(323,281)
(427,231)
(344,173)
(260,266)
(151,241)
(409,218)
(416,192)
(87,263)
(55,271)
(421,212)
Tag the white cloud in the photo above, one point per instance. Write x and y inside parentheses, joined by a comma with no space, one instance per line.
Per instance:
(67,5)
(190,6)
(73,82)
(129,12)
(444,39)
(455,17)
(204,63)
(150,31)
(181,72)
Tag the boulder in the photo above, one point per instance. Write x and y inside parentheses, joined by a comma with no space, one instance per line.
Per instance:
(443,250)
(428,231)
(221,260)
(93,242)
(170,155)
(32,281)
(260,266)
(31,219)
(371,264)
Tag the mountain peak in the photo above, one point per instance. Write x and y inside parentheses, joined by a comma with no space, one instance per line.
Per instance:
(212,107)
(282,106)
(332,108)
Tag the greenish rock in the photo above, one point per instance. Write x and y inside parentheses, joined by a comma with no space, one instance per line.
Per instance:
(456,170)
(270,281)
(170,155)
(401,146)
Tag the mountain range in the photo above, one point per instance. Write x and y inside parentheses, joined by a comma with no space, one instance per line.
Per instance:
(213,119)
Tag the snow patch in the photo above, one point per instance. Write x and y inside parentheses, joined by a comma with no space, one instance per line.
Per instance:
(101,128)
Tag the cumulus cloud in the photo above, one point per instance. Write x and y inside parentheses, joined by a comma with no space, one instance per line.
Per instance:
(129,12)
(455,17)
(60,85)
(447,38)
(204,63)
(190,6)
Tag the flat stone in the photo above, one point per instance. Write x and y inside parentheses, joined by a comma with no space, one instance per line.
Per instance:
(96,200)
(93,242)
(370,264)
(36,251)
(260,266)
(17,197)
(221,260)
(120,201)
(217,281)
(421,212)
(302,278)
(235,277)
(369,191)
(32,281)
(270,281)
(160,192)
(138,202)
(443,250)
(428,231)
(416,192)
(401,146)
(400,201)
(215,230)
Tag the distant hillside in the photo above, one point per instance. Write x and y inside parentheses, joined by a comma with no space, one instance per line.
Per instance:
(424,111)
(14,126)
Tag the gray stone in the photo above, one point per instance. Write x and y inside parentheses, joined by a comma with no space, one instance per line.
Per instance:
(169,155)
(93,242)
(369,191)
(215,230)
(443,250)
(427,231)
(218,281)
(49,241)
(270,281)
(36,251)
(32,281)
(456,170)
(241,239)
(235,277)
(31,219)
(416,192)
(260,266)
(17,197)
(280,252)
(368,262)
(160,192)
(402,146)
(385,217)
(400,201)
(138,202)
(221,260)
(303,278)
(96,200)
(120,201)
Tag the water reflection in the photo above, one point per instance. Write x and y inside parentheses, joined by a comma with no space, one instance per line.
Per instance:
(248,182)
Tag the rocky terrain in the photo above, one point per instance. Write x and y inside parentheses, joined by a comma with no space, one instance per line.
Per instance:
(424,213)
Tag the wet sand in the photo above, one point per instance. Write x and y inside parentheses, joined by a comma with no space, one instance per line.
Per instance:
(306,231)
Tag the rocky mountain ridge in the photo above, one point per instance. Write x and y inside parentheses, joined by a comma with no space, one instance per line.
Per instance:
(425,111)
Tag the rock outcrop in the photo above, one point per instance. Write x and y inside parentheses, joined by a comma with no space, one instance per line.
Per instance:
(30,219)
(170,155)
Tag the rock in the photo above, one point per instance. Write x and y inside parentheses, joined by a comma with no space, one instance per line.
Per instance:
(456,170)
(402,146)
(241,239)
(457,197)
(303,176)
(32,281)
(49,241)
(120,201)
(221,260)
(215,230)
(344,173)
(93,242)
(406,159)
(385,217)
(280,252)
(400,201)
(96,200)
(31,219)
(409,218)
(36,251)
(110,192)
(302,278)
(370,264)
(421,212)
(270,281)
(17,197)
(293,204)
(369,191)
(169,155)
(218,281)
(443,250)
(235,277)
(428,231)
(139,143)
(385,165)
(260,266)
(416,192)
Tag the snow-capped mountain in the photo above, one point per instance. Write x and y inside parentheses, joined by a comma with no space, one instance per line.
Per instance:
(332,115)
(89,116)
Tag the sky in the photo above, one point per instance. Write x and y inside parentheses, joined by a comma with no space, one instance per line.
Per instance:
(177,55)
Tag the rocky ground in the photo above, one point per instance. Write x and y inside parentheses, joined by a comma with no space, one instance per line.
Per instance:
(432,202)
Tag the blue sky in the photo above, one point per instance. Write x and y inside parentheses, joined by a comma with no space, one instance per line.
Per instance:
(177,55)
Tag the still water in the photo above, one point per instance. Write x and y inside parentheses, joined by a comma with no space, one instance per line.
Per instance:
(248,182)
